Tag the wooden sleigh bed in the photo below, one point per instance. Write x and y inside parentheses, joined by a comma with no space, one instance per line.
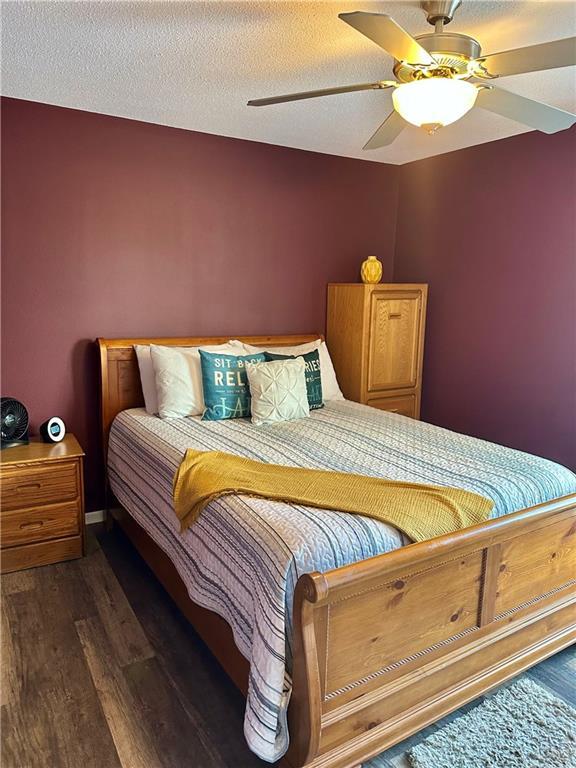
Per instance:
(388,645)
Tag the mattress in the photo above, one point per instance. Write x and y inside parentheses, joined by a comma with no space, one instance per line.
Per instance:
(244,555)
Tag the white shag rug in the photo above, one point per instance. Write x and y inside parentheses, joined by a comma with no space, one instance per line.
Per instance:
(521,726)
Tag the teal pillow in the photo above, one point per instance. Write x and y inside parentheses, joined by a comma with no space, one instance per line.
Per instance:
(313,379)
(225,383)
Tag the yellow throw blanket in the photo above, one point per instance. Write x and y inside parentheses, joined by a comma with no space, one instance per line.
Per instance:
(420,511)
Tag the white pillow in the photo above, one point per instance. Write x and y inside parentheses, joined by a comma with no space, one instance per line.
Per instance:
(178,379)
(147,378)
(278,390)
(330,388)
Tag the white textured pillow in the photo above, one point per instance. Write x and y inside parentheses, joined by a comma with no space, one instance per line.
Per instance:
(278,390)
(178,379)
(147,379)
(330,388)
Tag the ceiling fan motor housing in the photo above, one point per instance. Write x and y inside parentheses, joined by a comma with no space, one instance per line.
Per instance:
(440,10)
(450,49)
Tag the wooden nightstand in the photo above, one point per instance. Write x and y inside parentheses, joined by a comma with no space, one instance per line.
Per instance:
(42,504)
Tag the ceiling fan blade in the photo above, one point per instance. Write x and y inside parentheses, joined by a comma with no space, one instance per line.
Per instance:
(536,114)
(533,58)
(388,131)
(379,85)
(386,33)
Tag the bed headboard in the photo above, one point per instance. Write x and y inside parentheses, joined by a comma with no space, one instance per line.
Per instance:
(120,378)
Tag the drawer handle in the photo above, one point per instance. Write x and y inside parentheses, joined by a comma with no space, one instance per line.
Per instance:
(31,526)
(27,486)
(394,316)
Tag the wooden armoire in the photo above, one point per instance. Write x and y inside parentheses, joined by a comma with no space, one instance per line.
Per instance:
(375,334)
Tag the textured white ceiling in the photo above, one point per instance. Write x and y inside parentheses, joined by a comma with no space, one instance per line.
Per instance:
(195,64)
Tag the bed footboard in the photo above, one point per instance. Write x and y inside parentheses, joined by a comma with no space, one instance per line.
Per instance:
(388,645)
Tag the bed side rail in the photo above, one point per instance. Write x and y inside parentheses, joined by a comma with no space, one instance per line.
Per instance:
(387,645)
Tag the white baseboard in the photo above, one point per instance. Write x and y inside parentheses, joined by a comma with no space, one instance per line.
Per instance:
(97,516)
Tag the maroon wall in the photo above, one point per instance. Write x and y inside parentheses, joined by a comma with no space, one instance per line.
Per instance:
(492,229)
(118,228)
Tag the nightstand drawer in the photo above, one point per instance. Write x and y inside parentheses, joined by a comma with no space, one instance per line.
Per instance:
(29,486)
(24,526)
(41,553)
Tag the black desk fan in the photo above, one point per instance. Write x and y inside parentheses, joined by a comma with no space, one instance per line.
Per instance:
(14,423)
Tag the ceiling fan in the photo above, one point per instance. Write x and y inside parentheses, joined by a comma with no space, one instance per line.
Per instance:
(440,76)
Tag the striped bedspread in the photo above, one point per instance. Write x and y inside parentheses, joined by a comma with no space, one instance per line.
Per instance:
(244,555)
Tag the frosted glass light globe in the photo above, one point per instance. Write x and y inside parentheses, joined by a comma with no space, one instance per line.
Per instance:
(434,101)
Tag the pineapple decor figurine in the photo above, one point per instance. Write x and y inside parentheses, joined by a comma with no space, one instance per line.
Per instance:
(371,270)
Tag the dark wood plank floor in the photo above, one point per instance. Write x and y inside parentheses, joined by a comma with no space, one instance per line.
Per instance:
(100,670)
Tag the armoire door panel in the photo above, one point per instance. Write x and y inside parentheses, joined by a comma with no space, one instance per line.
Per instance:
(394,339)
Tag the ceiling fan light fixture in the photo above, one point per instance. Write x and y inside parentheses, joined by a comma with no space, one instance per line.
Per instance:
(434,101)
(436,75)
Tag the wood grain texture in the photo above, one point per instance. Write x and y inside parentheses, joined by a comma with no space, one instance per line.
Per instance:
(212,628)
(451,660)
(35,484)
(347,327)
(535,565)
(444,648)
(10,684)
(41,553)
(405,405)
(410,607)
(434,648)
(375,334)
(178,732)
(394,340)
(37,450)
(19,581)
(492,565)
(68,585)
(42,500)
(190,711)
(129,643)
(47,722)
(201,687)
(53,521)
(131,737)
